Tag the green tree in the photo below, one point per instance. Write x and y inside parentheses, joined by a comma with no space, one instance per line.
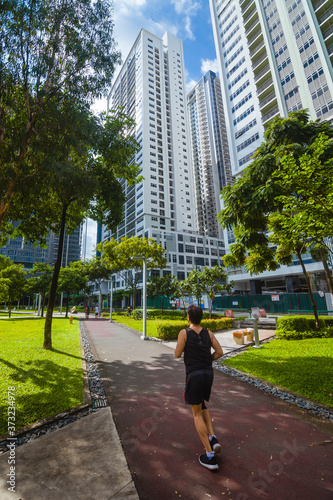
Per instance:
(126,256)
(98,273)
(264,189)
(12,281)
(82,266)
(161,286)
(182,292)
(289,242)
(4,288)
(71,281)
(210,282)
(51,54)
(39,281)
(311,178)
(86,183)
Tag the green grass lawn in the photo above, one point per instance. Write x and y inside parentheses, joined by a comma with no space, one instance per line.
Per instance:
(137,324)
(46,382)
(302,366)
(4,314)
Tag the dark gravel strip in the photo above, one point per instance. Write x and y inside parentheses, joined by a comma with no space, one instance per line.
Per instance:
(98,400)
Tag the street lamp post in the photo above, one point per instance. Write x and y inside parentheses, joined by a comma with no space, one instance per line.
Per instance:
(144,336)
(144,293)
(111,299)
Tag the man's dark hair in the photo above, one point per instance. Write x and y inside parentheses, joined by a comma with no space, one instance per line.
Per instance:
(194,314)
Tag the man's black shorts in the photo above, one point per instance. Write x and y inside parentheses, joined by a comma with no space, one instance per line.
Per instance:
(198,386)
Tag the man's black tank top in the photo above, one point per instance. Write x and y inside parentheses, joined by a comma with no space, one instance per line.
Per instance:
(197,351)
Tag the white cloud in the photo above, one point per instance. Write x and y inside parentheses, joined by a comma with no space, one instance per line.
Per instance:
(190,84)
(189,8)
(188,28)
(209,64)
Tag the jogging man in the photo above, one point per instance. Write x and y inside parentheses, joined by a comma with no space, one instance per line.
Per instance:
(196,343)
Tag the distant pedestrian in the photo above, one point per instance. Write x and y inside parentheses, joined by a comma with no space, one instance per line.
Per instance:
(196,344)
(129,310)
(96,312)
(87,312)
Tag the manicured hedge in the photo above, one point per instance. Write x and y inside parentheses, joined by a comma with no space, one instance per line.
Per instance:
(303,327)
(169,331)
(167,313)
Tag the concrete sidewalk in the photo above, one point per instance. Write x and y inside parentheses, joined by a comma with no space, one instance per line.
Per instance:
(83,460)
(147,447)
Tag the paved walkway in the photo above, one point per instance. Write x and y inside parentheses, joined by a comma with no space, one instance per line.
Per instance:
(270,449)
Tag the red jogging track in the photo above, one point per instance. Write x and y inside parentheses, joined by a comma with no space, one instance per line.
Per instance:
(270,449)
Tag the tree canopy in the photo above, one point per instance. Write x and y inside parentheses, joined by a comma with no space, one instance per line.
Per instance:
(71,281)
(127,257)
(210,282)
(53,55)
(12,281)
(39,280)
(285,190)
(161,286)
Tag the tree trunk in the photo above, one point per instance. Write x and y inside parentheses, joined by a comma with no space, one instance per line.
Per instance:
(327,272)
(43,305)
(9,309)
(133,297)
(54,284)
(307,279)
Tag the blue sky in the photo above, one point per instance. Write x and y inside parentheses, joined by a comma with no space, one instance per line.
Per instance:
(187,19)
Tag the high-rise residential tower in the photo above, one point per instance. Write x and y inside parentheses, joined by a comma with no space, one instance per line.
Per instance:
(209,147)
(274,56)
(151,89)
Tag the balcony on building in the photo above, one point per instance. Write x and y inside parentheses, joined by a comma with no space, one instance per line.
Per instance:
(265,88)
(264,74)
(245,3)
(266,118)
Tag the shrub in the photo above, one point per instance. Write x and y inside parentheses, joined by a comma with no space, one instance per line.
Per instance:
(170,330)
(179,314)
(303,327)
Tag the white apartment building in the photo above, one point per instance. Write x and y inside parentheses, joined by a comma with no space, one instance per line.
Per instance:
(210,153)
(151,89)
(275,56)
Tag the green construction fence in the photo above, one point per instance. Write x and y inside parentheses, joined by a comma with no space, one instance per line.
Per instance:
(282,303)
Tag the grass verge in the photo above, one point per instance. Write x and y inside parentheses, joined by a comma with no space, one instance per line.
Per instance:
(301,366)
(46,382)
(137,324)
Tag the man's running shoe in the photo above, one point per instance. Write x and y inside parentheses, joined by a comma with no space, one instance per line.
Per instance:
(209,463)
